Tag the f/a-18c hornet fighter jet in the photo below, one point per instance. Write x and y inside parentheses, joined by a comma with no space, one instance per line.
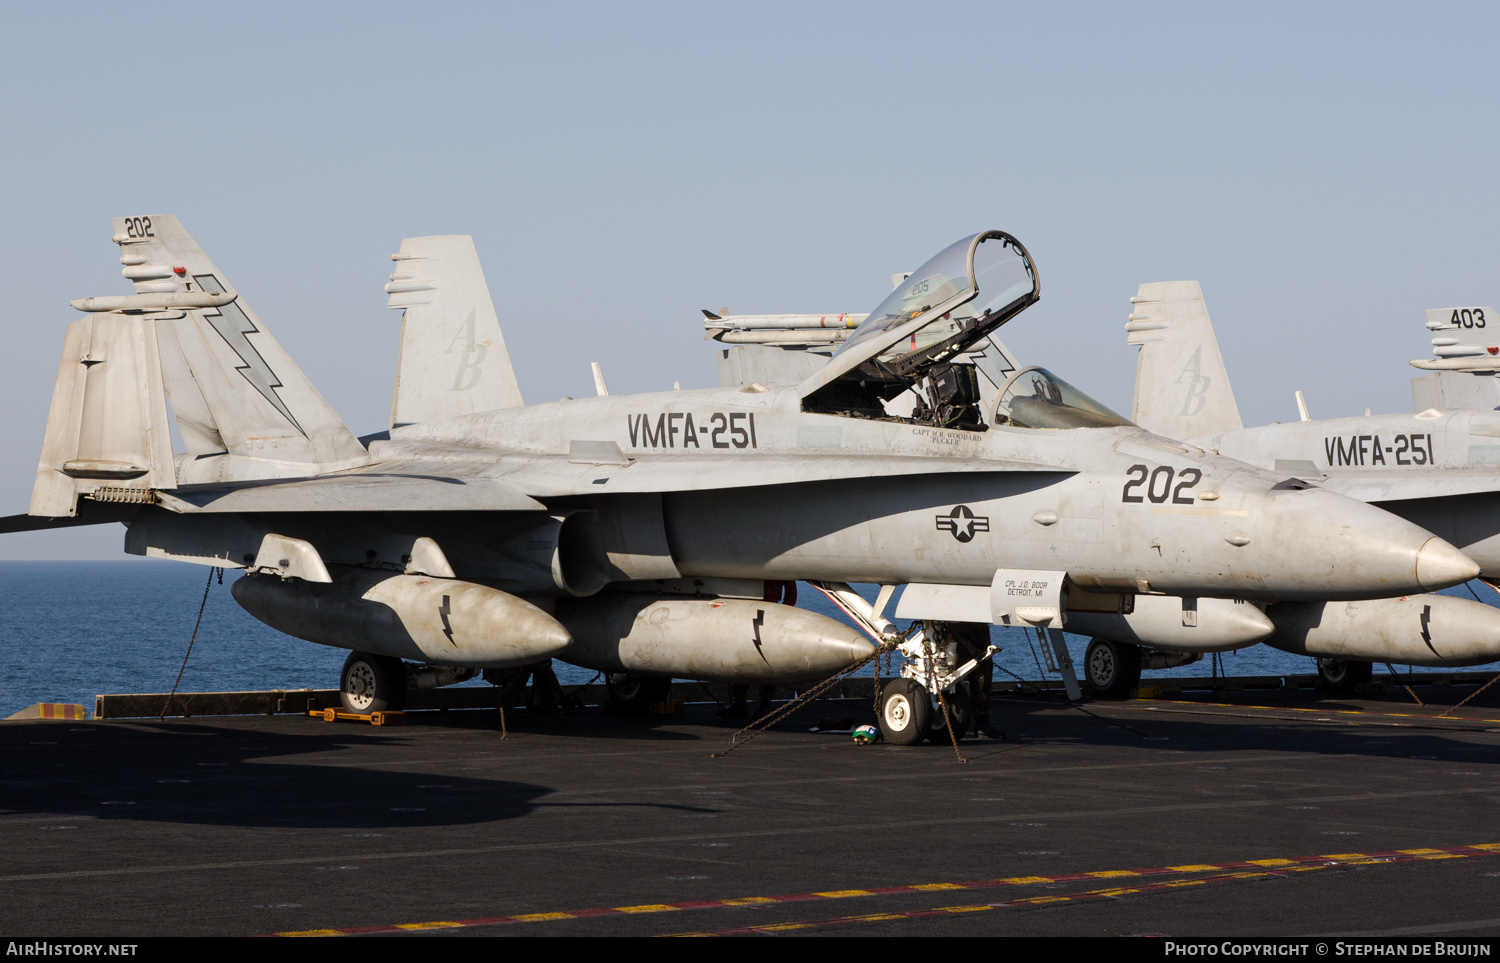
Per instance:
(634,533)
(1434,468)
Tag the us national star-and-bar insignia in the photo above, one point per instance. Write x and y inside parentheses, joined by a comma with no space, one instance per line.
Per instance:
(963,523)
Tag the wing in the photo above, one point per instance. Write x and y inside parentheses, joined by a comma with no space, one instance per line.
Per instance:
(551,476)
(1397,486)
(363,492)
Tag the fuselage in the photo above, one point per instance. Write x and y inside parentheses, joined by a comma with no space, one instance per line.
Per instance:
(1440,470)
(751,486)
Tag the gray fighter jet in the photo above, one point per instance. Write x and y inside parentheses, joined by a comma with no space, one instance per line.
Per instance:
(1436,468)
(637,534)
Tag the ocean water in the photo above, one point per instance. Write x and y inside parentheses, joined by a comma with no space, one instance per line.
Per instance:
(72,630)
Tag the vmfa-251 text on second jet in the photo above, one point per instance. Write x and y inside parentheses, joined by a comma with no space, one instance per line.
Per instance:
(1436,468)
(634,533)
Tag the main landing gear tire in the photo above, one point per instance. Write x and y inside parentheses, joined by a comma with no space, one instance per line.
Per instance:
(633,694)
(1112,669)
(961,711)
(905,712)
(1342,675)
(372,683)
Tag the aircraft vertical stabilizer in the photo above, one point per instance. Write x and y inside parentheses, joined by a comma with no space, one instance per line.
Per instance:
(1466,363)
(452,359)
(107,434)
(1181,387)
(184,345)
(243,407)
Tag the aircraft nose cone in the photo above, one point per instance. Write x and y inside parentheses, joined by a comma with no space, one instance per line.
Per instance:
(1440,565)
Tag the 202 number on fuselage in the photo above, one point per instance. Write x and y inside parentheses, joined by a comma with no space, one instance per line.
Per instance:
(1155,485)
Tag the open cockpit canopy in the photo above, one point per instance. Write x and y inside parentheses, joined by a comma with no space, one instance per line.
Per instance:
(937,314)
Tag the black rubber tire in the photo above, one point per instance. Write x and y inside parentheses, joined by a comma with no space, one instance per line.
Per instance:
(961,711)
(1342,675)
(905,712)
(633,694)
(1111,669)
(372,683)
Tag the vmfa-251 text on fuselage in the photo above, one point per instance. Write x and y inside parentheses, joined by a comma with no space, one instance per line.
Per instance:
(634,533)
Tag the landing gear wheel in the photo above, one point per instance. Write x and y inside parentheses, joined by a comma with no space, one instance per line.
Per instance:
(1342,675)
(904,712)
(961,711)
(633,694)
(1112,669)
(372,683)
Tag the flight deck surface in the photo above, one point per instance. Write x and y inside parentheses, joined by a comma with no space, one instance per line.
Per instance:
(1251,814)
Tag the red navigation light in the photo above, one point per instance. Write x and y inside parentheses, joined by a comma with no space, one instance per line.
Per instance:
(179,270)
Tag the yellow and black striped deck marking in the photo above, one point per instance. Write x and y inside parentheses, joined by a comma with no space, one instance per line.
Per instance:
(1245,869)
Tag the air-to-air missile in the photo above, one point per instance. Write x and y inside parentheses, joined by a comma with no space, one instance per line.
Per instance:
(481,532)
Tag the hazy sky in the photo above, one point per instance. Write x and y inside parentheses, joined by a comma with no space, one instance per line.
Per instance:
(1326,171)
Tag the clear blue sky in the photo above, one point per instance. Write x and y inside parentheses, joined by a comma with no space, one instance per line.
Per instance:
(1326,171)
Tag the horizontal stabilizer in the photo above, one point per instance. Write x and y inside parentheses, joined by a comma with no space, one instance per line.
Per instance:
(90,512)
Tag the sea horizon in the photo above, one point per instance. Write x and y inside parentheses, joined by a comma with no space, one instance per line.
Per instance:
(72,630)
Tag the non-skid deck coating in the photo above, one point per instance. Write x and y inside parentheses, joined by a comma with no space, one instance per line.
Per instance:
(1231,815)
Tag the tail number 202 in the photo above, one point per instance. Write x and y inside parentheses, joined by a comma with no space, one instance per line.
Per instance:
(1157,484)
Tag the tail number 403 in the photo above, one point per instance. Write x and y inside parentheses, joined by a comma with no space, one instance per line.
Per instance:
(1157,484)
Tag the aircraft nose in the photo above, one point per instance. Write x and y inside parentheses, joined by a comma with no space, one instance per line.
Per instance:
(1440,565)
(1322,545)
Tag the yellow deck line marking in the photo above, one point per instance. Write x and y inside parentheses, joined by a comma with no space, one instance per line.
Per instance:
(1225,871)
(314,933)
